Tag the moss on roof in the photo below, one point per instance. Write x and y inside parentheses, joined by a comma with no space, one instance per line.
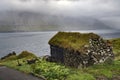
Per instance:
(72,40)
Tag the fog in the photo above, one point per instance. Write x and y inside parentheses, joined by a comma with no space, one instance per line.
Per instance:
(106,11)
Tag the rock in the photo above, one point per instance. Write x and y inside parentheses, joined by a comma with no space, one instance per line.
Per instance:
(19,65)
(49,58)
(31,61)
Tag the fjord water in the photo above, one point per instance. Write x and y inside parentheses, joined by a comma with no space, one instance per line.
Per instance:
(36,42)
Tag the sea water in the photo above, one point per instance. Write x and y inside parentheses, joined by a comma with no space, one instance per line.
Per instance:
(36,42)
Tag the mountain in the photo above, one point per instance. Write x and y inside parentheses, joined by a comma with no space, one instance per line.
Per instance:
(33,21)
(112,21)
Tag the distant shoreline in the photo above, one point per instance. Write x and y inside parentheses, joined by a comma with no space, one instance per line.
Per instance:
(82,31)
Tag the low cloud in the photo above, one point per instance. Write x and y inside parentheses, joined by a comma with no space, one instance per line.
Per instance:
(75,8)
(65,7)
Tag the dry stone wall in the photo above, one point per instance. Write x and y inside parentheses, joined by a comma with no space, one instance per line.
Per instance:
(97,51)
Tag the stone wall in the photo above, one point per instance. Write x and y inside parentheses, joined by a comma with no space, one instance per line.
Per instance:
(75,59)
(97,51)
(66,56)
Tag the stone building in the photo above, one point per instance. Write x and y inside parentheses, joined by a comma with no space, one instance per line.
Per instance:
(80,49)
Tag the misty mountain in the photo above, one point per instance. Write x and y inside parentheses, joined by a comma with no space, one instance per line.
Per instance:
(112,22)
(33,21)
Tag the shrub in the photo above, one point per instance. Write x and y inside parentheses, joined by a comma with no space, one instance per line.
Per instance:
(9,55)
(13,57)
(51,71)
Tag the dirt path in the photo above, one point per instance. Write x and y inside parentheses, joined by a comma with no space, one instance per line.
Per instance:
(11,74)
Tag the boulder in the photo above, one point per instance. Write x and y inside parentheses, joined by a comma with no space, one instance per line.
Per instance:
(31,61)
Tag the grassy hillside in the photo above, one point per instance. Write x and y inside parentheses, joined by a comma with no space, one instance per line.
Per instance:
(22,55)
(26,54)
(54,71)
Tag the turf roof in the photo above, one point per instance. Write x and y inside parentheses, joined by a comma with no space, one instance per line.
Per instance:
(74,40)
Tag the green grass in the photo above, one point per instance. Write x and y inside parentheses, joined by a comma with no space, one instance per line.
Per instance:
(54,71)
(116,47)
(107,70)
(72,40)
(13,57)
(26,54)
(12,61)
(80,76)
(13,64)
(51,71)
(116,44)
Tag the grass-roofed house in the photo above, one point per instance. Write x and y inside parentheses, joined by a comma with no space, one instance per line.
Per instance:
(79,49)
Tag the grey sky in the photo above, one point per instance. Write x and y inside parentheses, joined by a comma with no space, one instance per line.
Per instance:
(105,10)
(75,7)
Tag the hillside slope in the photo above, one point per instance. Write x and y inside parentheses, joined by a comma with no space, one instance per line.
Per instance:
(32,21)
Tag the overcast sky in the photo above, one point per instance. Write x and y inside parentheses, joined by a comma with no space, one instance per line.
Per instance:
(106,10)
